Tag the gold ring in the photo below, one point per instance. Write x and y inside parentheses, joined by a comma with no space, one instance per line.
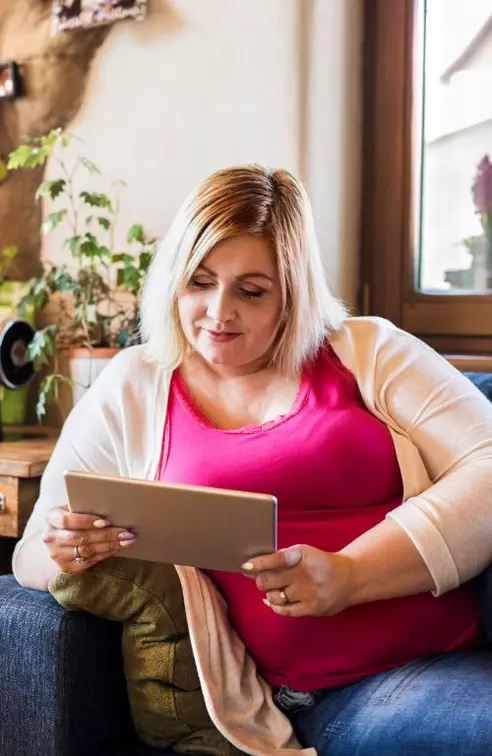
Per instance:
(284,597)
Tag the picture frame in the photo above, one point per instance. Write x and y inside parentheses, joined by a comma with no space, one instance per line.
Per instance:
(86,14)
(10,81)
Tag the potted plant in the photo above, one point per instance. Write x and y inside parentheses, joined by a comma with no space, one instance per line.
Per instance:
(479,247)
(97,292)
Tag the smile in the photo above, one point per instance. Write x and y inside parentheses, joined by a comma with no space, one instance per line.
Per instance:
(221,336)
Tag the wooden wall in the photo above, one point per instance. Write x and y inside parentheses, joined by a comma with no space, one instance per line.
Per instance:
(54,71)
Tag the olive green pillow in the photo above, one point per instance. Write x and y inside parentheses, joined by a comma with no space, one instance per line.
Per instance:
(166,700)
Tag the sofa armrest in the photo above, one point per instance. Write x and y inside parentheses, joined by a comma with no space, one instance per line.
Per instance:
(62,688)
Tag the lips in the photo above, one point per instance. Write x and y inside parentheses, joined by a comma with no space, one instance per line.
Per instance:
(222,336)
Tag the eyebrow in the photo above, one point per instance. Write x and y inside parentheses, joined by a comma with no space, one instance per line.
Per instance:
(250,274)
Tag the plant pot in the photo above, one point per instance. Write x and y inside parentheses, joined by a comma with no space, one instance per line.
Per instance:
(85,365)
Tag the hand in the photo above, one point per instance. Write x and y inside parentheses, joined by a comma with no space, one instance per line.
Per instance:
(93,537)
(303,581)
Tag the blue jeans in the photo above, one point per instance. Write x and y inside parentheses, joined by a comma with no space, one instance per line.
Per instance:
(435,706)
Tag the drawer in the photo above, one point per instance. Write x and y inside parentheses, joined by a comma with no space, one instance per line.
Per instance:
(17,499)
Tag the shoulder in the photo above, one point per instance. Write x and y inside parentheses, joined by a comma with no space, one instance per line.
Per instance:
(375,346)
(132,363)
(132,371)
(365,338)
(364,329)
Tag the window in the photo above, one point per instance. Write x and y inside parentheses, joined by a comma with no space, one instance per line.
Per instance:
(456,127)
(426,250)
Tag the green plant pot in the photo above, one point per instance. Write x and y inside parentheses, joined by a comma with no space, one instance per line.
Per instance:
(13,406)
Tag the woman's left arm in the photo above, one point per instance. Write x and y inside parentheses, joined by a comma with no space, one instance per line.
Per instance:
(449,421)
(301,580)
(438,538)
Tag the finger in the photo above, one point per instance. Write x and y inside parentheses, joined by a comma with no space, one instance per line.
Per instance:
(72,566)
(67,554)
(272,580)
(281,597)
(73,538)
(279,560)
(298,609)
(63,519)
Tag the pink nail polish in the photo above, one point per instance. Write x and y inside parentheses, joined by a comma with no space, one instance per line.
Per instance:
(126,535)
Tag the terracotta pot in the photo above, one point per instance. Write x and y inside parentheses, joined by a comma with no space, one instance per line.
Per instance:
(85,365)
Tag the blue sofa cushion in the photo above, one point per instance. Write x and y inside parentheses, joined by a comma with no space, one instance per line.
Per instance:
(482,381)
(62,688)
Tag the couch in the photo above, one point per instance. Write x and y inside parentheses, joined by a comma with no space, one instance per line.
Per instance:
(62,689)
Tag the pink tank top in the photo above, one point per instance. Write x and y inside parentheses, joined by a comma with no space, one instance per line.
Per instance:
(333,468)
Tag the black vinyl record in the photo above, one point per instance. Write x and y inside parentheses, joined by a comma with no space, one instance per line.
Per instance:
(15,335)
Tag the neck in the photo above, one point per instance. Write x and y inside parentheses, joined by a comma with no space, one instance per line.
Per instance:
(227,372)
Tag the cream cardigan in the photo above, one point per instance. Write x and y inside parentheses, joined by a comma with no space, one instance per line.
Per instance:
(441,426)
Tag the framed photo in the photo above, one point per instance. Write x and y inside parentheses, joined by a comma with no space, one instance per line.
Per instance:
(87,14)
(10,82)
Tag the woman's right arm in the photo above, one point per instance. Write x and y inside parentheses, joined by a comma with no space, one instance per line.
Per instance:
(52,532)
(91,439)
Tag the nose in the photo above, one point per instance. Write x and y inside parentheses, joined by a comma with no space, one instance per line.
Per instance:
(220,307)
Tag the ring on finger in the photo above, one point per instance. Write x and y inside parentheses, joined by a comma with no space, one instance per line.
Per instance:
(78,558)
(284,596)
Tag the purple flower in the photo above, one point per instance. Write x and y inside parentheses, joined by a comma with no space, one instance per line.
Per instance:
(482,187)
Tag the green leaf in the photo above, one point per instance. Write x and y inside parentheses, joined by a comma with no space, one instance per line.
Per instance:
(131,279)
(74,244)
(26,156)
(48,391)
(34,151)
(104,223)
(91,167)
(144,260)
(53,220)
(42,403)
(10,252)
(49,140)
(51,189)
(136,234)
(123,337)
(95,199)
(122,257)
(90,247)
(42,346)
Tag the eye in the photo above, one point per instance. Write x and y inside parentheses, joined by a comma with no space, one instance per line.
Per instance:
(196,284)
(252,294)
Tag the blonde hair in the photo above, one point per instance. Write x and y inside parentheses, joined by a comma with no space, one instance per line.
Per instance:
(241,200)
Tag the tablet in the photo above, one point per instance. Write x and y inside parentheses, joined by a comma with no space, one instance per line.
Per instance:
(210,528)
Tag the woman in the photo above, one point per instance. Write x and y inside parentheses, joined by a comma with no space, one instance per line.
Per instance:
(253,377)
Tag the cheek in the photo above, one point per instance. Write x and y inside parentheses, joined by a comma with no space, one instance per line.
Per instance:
(187,308)
(266,323)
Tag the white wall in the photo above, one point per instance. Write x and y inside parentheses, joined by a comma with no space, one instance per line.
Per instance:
(201,85)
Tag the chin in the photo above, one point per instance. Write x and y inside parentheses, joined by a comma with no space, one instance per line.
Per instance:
(220,359)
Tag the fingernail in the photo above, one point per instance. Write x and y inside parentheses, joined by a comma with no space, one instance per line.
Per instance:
(100,523)
(126,535)
(266,601)
(248,566)
(127,542)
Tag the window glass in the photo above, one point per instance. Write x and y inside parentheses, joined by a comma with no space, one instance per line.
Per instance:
(454,135)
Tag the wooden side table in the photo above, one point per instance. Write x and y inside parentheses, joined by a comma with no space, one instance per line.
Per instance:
(22,463)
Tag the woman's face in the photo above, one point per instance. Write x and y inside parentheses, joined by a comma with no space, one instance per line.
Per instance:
(230,310)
